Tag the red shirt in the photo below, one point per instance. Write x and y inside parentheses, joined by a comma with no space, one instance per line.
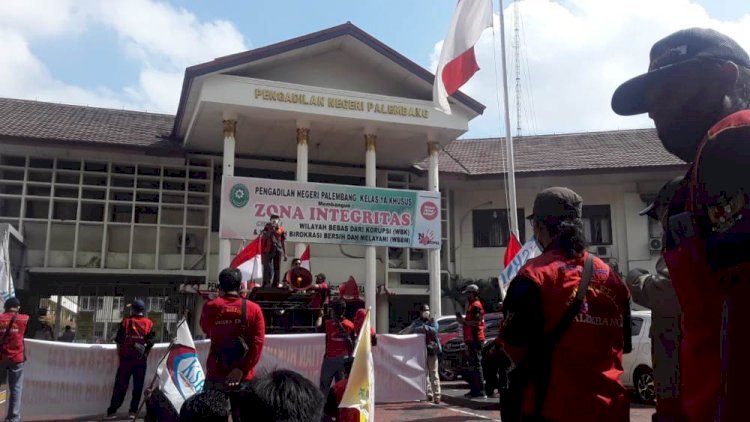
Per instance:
(133,330)
(344,414)
(475,312)
(12,349)
(221,320)
(321,295)
(336,343)
(271,236)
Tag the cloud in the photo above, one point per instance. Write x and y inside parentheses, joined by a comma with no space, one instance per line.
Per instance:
(574,54)
(160,38)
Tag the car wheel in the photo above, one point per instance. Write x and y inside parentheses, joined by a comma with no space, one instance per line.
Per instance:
(447,374)
(644,385)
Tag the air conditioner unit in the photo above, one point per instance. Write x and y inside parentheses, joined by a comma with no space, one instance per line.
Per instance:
(655,244)
(602,251)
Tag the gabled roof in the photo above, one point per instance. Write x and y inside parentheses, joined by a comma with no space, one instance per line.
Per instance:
(70,124)
(347,29)
(623,149)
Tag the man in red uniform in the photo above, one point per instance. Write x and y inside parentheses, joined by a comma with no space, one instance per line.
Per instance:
(569,373)
(273,245)
(696,91)
(237,331)
(12,329)
(339,346)
(474,339)
(134,340)
(320,300)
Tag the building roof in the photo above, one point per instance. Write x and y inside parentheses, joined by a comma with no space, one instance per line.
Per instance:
(346,29)
(622,149)
(70,124)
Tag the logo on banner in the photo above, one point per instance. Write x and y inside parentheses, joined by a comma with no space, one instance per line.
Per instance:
(185,370)
(429,210)
(239,195)
(427,238)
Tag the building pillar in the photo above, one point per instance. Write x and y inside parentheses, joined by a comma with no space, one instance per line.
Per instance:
(230,127)
(371,251)
(303,134)
(433,255)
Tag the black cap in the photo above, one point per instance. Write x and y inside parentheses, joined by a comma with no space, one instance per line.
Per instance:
(138,305)
(663,197)
(679,49)
(12,302)
(557,202)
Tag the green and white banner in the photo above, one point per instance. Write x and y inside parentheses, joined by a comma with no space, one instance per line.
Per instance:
(327,213)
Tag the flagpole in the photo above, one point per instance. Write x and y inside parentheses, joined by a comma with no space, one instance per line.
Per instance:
(512,206)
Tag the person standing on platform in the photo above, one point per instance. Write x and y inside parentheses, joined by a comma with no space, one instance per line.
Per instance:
(237,331)
(474,338)
(273,245)
(339,346)
(134,340)
(12,355)
(429,327)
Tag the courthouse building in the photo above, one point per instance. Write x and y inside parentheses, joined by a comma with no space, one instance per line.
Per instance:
(107,205)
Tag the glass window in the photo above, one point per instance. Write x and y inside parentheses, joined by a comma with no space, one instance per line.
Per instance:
(597,224)
(636,324)
(492,228)
(99,303)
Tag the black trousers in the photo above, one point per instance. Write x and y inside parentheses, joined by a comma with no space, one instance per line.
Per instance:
(271,267)
(476,376)
(127,368)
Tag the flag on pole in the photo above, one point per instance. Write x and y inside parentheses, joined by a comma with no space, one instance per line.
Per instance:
(180,373)
(457,60)
(511,250)
(7,290)
(359,395)
(305,259)
(528,251)
(248,261)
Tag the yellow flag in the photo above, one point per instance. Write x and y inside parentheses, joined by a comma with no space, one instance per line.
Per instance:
(360,389)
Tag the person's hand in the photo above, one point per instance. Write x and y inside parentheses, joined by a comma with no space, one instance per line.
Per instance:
(234,377)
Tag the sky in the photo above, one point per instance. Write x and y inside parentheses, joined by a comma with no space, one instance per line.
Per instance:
(132,53)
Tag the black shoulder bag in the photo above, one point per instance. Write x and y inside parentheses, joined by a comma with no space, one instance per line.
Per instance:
(536,367)
(230,353)
(347,337)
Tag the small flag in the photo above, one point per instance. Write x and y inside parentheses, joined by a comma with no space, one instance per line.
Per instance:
(457,61)
(7,290)
(511,250)
(305,259)
(528,251)
(359,395)
(180,372)
(248,261)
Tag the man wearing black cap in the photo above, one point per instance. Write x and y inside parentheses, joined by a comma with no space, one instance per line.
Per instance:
(697,91)
(134,339)
(566,324)
(655,292)
(12,356)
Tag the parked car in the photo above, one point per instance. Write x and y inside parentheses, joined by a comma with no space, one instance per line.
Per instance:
(638,372)
(454,362)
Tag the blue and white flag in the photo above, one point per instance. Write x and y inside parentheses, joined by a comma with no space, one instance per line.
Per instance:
(7,290)
(528,251)
(180,373)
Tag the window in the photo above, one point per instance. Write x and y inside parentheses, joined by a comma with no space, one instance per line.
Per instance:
(99,330)
(117,303)
(597,224)
(492,228)
(636,326)
(99,303)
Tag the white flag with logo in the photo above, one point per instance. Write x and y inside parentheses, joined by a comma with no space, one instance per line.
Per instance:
(528,251)
(7,290)
(180,372)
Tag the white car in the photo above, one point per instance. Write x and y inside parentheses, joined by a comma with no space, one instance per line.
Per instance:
(638,370)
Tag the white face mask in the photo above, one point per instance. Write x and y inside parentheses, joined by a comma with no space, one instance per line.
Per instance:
(425,314)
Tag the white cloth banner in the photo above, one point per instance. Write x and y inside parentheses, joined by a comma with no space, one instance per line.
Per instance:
(181,372)
(67,380)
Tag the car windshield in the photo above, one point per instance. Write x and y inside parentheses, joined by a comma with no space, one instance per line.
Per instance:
(448,328)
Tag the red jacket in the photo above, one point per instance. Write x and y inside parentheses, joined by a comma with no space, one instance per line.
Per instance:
(13,349)
(221,321)
(586,362)
(133,330)
(336,343)
(475,312)
(272,237)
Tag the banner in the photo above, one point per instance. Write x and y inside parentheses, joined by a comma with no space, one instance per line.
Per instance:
(327,213)
(6,279)
(529,250)
(359,394)
(70,380)
(180,373)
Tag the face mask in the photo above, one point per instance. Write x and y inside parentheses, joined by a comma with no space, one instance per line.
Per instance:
(425,314)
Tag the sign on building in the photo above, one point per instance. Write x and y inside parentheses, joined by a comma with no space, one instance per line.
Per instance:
(328,213)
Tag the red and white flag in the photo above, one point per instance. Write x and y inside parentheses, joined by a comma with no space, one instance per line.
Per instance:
(305,259)
(511,250)
(249,263)
(457,61)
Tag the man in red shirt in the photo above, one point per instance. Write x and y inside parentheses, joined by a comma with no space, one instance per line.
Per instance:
(474,339)
(12,329)
(339,346)
(134,340)
(322,293)
(237,331)
(273,245)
